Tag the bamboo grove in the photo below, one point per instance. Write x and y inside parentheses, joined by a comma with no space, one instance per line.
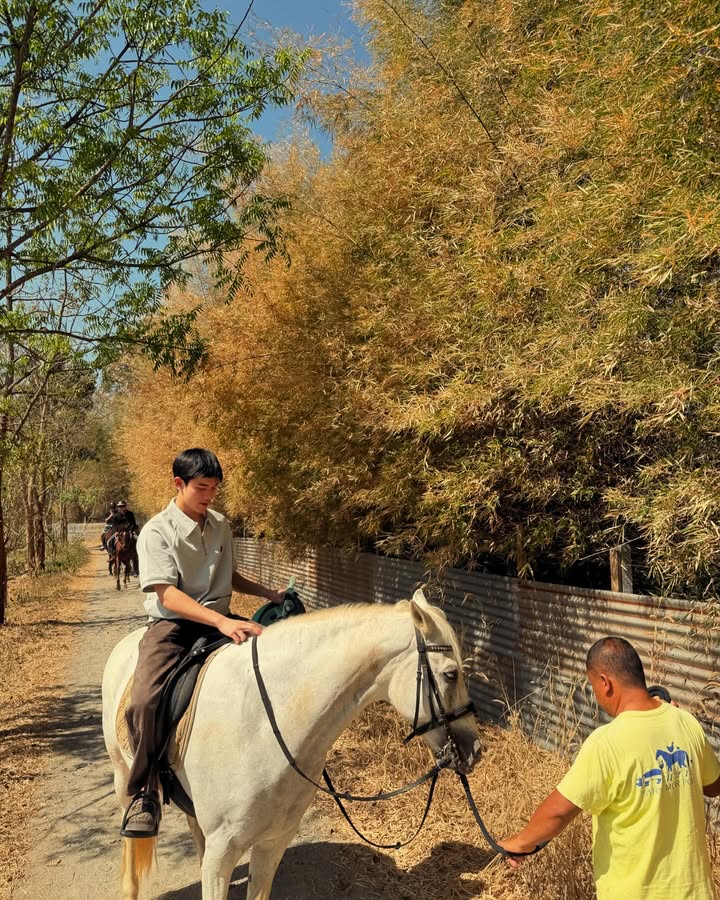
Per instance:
(496,341)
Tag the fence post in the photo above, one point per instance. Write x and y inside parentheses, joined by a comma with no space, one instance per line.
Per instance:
(621,569)
(520,555)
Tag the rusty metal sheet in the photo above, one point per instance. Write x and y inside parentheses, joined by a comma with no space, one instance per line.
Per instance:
(524,642)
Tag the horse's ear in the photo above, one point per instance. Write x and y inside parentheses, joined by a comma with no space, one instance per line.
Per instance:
(421,617)
(420,598)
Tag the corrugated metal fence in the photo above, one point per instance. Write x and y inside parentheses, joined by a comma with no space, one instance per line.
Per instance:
(525,641)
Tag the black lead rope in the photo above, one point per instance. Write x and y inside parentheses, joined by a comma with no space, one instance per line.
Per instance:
(486,834)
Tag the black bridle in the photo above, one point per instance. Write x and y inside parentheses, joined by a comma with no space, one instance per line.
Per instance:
(441,719)
(447,756)
(438,717)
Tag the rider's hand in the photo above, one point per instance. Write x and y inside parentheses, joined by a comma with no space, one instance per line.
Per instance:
(238,630)
(278,597)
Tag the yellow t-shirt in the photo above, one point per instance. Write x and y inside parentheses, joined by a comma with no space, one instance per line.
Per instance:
(641,777)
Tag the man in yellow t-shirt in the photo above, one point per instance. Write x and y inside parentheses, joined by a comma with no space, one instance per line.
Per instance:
(642,777)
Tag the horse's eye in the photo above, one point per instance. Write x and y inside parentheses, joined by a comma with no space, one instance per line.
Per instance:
(451,675)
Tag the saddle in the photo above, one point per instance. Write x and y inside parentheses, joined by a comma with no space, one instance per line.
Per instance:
(174,703)
(292,605)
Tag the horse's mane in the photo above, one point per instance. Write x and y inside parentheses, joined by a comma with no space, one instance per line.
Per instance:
(352,610)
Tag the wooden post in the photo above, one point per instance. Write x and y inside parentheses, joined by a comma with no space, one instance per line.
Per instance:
(520,555)
(621,569)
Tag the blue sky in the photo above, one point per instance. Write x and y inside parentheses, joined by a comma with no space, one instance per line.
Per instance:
(309,18)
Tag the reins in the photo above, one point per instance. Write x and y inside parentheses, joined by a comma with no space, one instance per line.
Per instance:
(431,775)
(438,719)
(481,825)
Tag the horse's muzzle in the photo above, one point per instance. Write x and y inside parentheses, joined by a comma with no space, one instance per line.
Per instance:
(463,748)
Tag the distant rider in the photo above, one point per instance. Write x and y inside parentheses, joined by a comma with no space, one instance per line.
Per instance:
(107,527)
(122,519)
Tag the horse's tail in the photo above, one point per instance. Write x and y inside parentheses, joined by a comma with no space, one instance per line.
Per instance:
(137,859)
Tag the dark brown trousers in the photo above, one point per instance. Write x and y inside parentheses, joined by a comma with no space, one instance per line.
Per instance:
(162,647)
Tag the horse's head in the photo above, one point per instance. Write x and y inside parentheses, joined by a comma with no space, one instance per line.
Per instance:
(123,539)
(428,688)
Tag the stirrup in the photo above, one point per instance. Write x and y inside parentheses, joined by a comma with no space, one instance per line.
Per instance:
(149,804)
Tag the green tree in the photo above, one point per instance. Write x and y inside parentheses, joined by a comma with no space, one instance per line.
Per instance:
(125,153)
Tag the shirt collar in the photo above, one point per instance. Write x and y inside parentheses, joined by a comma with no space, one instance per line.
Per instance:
(183,522)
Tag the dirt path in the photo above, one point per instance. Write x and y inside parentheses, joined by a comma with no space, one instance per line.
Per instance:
(77,847)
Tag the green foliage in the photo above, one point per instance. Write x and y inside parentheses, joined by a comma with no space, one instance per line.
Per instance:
(84,498)
(125,152)
(69,557)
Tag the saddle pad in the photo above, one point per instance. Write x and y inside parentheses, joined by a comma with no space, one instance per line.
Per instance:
(177,745)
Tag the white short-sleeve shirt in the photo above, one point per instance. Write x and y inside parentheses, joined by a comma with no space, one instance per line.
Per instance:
(173,549)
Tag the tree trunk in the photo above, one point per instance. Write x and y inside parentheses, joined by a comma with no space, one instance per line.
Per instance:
(39,516)
(39,528)
(3,555)
(30,540)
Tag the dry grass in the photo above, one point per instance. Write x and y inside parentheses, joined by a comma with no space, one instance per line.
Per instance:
(34,644)
(450,858)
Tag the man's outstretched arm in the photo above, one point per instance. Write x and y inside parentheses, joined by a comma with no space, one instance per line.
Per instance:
(550,818)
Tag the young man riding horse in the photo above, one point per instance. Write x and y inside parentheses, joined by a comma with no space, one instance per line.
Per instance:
(186,570)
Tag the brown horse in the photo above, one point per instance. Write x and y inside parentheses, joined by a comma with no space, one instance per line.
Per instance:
(123,552)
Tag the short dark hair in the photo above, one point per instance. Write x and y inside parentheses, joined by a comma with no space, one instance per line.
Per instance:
(197,463)
(618,657)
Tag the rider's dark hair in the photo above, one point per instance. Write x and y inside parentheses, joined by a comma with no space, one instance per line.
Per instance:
(616,656)
(197,463)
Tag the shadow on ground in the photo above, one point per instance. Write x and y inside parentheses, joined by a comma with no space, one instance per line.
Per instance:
(326,871)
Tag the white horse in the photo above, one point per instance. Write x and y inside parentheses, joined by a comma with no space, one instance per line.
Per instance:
(321,670)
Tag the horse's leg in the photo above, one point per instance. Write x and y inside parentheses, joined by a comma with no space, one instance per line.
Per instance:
(198,836)
(117,571)
(219,859)
(264,860)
